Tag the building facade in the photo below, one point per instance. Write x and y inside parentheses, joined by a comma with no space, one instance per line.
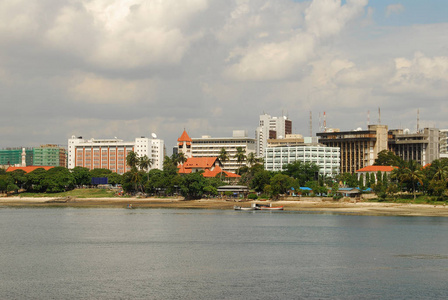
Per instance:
(208,146)
(50,155)
(422,146)
(111,153)
(443,143)
(327,158)
(271,128)
(16,157)
(358,148)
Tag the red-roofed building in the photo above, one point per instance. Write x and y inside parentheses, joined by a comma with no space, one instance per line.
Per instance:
(210,165)
(29,168)
(366,171)
(184,144)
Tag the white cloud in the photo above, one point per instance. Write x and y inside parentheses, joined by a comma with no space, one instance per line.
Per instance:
(282,59)
(394,9)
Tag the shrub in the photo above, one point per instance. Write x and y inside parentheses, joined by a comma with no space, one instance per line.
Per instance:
(252,197)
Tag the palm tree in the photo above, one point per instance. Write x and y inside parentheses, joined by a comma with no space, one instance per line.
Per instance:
(251,159)
(144,163)
(223,157)
(240,156)
(413,173)
(181,159)
(132,160)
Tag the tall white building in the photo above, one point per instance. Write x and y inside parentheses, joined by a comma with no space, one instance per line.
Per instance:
(208,146)
(271,128)
(111,153)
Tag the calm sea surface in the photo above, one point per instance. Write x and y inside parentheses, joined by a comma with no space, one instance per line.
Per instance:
(69,253)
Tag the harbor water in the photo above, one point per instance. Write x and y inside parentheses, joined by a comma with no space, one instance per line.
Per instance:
(101,253)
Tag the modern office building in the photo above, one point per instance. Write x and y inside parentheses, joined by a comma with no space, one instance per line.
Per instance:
(50,155)
(358,148)
(16,157)
(327,158)
(422,146)
(111,153)
(208,146)
(443,143)
(271,128)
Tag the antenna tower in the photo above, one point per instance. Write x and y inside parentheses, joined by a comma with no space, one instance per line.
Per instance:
(325,122)
(311,123)
(418,119)
(368,118)
(379,116)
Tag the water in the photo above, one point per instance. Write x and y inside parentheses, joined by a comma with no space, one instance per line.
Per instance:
(69,253)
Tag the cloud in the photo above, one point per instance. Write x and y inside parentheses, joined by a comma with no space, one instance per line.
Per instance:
(282,59)
(394,9)
(91,88)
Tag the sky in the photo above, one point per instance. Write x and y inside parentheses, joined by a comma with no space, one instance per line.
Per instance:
(129,68)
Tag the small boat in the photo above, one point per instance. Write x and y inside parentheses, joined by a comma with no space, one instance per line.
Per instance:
(245,208)
(271,207)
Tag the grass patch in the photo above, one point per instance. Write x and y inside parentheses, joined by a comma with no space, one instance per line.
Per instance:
(432,200)
(76,193)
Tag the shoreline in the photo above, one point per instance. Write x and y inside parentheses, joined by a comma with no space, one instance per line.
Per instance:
(312,205)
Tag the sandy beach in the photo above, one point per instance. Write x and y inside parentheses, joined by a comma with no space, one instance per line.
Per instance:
(312,205)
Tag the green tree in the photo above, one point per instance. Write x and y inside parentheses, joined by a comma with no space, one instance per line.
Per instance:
(59,179)
(36,180)
(192,185)
(100,172)
(411,172)
(260,180)
(132,160)
(240,156)
(223,157)
(304,172)
(387,158)
(280,184)
(251,159)
(144,163)
(81,176)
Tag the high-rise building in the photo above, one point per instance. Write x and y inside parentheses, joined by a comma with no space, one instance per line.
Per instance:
(359,148)
(271,128)
(421,146)
(50,155)
(443,143)
(111,153)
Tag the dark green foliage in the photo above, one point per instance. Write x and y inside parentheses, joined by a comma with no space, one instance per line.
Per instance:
(280,184)
(252,197)
(192,185)
(100,172)
(81,176)
(36,180)
(302,171)
(387,158)
(58,179)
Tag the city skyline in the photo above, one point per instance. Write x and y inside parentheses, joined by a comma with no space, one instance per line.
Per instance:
(127,69)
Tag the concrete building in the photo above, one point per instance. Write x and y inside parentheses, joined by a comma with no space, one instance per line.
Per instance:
(208,146)
(422,146)
(358,148)
(443,143)
(111,153)
(271,128)
(18,157)
(50,155)
(327,158)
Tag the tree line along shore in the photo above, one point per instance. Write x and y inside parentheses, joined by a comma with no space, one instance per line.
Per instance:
(407,183)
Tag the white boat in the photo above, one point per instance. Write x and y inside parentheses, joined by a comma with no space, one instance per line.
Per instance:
(271,207)
(245,208)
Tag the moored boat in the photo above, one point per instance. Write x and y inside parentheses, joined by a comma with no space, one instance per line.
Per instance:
(271,207)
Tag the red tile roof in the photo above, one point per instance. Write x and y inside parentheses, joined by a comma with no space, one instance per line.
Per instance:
(184,137)
(376,169)
(217,171)
(29,168)
(200,162)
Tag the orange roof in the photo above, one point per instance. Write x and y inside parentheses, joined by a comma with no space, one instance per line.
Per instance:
(376,169)
(29,168)
(200,162)
(216,171)
(184,137)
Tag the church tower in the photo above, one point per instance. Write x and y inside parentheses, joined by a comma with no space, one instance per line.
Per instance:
(184,145)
